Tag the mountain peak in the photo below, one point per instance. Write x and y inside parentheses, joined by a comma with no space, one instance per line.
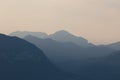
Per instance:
(62,32)
(65,36)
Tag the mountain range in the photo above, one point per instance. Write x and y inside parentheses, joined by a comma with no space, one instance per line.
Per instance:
(67,56)
(63,36)
(60,36)
(67,50)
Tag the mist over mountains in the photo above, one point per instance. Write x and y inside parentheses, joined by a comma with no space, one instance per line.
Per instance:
(115,45)
(65,49)
(22,34)
(60,36)
(59,56)
(68,55)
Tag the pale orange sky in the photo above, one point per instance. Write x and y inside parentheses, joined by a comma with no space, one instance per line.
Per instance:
(96,20)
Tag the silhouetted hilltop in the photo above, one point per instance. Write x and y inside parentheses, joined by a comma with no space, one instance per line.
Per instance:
(21,60)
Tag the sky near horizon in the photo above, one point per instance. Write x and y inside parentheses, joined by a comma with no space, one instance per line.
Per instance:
(96,20)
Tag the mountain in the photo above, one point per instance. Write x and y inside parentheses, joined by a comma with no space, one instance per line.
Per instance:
(68,56)
(64,36)
(22,34)
(106,68)
(115,45)
(21,60)
(60,36)
(59,53)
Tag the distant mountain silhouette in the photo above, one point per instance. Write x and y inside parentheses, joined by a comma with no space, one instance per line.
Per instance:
(66,55)
(22,34)
(64,36)
(60,36)
(115,45)
(21,60)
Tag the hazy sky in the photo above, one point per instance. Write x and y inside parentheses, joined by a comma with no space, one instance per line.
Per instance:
(96,20)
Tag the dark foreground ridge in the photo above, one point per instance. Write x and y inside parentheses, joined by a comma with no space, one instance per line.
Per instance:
(21,60)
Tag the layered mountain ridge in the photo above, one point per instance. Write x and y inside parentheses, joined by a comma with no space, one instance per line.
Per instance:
(24,59)
(60,36)
(68,56)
